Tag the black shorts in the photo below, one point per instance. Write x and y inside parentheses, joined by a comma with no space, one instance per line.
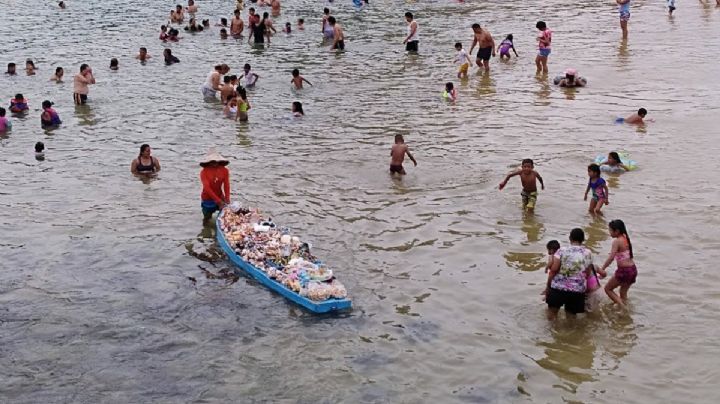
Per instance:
(396,169)
(340,45)
(412,46)
(484,53)
(80,99)
(574,302)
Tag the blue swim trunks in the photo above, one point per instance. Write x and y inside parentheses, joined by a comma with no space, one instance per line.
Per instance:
(209,207)
(544,52)
(619,120)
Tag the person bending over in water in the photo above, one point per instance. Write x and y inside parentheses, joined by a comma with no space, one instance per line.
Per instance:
(215,179)
(505,46)
(634,119)
(572,79)
(626,271)
(529,179)
(59,73)
(600,192)
(297,79)
(397,156)
(145,164)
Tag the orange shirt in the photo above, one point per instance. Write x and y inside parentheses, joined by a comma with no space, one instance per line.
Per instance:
(216,184)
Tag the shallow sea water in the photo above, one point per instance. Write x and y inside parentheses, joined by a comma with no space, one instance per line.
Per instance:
(97,304)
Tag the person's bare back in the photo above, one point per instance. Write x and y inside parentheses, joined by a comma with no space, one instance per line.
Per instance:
(397,156)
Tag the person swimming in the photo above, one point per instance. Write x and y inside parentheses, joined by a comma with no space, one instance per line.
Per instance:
(570,80)
(634,119)
(39,151)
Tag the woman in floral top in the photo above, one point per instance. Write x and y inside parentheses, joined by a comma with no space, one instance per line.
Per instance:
(567,277)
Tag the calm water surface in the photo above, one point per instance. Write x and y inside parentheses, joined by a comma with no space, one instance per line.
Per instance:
(97,304)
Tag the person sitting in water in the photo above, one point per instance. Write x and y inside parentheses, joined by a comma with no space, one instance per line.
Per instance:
(571,79)
(39,151)
(59,73)
(11,69)
(49,118)
(143,55)
(297,109)
(635,119)
(18,104)
(145,164)
(169,58)
(30,67)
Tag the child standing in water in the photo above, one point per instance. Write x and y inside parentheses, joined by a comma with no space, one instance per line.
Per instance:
(242,105)
(397,156)
(463,60)
(5,124)
(626,272)
(529,179)
(544,46)
(49,118)
(624,10)
(230,109)
(505,46)
(297,79)
(600,192)
(671,6)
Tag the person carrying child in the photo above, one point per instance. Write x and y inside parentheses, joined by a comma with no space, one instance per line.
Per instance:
(529,179)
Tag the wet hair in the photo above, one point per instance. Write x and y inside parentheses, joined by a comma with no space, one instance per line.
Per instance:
(114,62)
(11,65)
(46,104)
(331,20)
(475,26)
(242,93)
(266,15)
(642,112)
(449,86)
(206,23)
(541,25)
(619,225)
(218,67)
(246,66)
(326,10)
(167,52)
(458,45)
(143,49)
(400,138)
(229,98)
(223,31)
(178,7)
(577,235)
(509,37)
(298,107)
(553,245)
(528,161)
(163,28)
(613,155)
(226,79)
(30,62)
(143,148)
(19,96)
(251,9)
(2,111)
(223,21)
(301,21)
(58,69)
(83,67)
(233,77)
(39,147)
(594,168)
(295,72)
(409,15)
(236,12)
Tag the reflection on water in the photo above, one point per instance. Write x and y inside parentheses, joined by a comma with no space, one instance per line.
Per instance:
(569,353)
(596,232)
(544,90)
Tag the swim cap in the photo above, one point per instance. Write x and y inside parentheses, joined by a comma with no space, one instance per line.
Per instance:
(571,72)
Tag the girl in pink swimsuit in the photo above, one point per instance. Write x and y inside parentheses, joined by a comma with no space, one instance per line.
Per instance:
(626,272)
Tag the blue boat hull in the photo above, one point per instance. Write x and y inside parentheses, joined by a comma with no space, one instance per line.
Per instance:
(260,276)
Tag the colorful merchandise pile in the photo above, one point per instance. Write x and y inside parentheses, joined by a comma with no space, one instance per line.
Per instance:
(281,256)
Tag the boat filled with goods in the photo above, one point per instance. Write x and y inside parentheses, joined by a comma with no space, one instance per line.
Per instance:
(278,260)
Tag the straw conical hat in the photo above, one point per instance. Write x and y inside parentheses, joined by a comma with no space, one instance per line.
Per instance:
(213,155)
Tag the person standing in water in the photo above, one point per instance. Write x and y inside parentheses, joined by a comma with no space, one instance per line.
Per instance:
(412,39)
(58,76)
(566,283)
(338,35)
(397,156)
(81,82)
(212,83)
(624,10)
(215,179)
(145,164)
(236,25)
(544,39)
(529,179)
(327,29)
(486,46)
(626,272)
(275,7)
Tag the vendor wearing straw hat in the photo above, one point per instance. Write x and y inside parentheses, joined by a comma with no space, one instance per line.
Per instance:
(215,179)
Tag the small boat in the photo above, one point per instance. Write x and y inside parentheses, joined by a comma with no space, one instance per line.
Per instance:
(315,306)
